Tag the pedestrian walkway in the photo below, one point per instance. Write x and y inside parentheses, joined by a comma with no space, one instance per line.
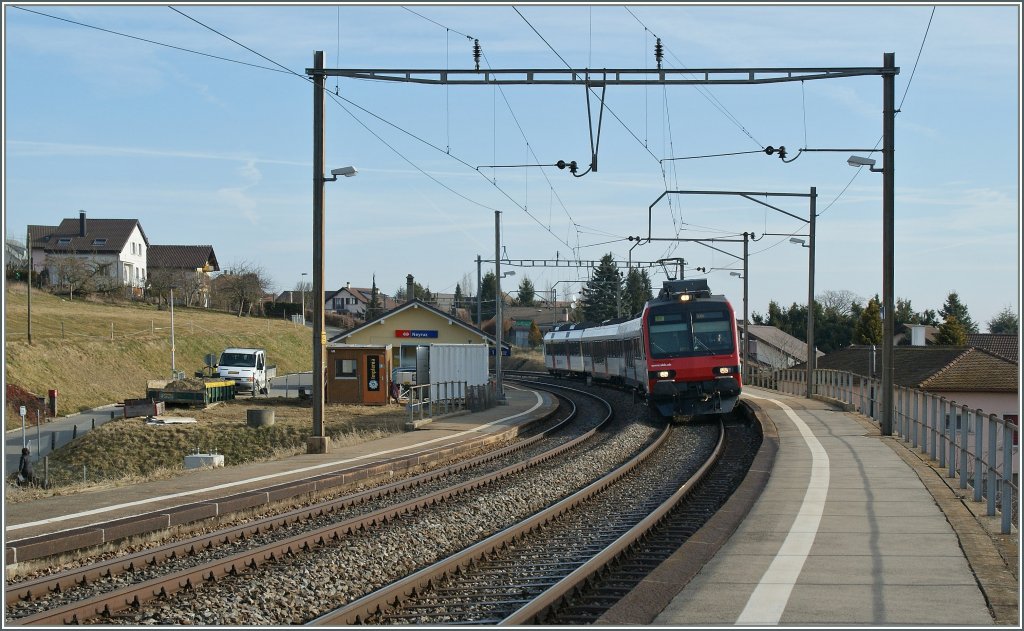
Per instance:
(845,533)
(48,515)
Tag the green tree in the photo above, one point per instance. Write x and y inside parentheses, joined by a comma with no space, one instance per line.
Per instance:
(375,307)
(600,298)
(458,299)
(869,325)
(527,294)
(637,291)
(953,306)
(951,332)
(418,291)
(1005,321)
(488,289)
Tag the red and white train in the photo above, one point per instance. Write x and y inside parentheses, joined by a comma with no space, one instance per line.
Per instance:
(682,353)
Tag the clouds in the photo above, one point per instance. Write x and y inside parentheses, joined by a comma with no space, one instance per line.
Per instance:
(180,139)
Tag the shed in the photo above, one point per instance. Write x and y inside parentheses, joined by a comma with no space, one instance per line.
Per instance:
(358,374)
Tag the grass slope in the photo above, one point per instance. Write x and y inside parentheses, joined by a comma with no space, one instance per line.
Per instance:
(94,353)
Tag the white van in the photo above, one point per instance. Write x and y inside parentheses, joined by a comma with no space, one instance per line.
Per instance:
(247,367)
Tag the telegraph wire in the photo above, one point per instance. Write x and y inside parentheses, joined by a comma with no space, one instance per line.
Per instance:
(411,163)
(149,41)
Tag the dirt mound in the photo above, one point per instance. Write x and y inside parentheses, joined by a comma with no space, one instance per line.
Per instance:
(190,384)
(18,396)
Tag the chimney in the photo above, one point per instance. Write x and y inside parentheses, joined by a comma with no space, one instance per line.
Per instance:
(917,335)
(410,291)
(348,285)
(81,223)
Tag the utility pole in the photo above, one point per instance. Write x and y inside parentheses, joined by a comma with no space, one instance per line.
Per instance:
(497,306)
(479,288)
(746,287)
(889,72)
(318,442)
(812,355)
(28,266)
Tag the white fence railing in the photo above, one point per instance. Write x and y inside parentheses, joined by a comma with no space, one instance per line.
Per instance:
(979,450)
(446,397)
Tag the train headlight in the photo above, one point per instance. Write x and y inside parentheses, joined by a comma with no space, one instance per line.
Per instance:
(684,297)
(727,370)
(662,374)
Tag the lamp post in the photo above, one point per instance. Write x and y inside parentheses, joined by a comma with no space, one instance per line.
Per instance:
(497,306)
(743,349)
(302,290)
(812,356)
(174,372)
(889,72)
(318,442)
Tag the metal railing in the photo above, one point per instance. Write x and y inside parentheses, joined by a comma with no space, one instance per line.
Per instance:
(446,397)
(977,449)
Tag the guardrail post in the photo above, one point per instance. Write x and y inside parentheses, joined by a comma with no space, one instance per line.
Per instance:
(1006,493)
(990,461)
(979,469)
(963,446)
(915,422)
(947,444)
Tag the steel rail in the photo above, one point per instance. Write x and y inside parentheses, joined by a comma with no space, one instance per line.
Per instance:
(358,611)
(38,588)
(547,599)
(134,595)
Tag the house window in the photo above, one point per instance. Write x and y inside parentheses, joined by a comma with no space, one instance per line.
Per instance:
(99,241)
(345,369)
(64,241)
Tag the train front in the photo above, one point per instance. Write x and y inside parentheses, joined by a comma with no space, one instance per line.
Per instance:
(692,351)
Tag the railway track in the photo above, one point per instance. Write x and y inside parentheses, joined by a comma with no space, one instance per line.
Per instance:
(521,574)
(342,550)
(99,591)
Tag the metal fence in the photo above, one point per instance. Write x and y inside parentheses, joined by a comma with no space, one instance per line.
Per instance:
(446,397)
(977,449)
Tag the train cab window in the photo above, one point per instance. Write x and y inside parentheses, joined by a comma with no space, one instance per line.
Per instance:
(678,333)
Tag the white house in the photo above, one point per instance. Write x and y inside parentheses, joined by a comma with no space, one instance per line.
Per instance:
(106,252)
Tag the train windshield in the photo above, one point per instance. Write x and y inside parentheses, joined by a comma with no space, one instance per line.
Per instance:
(676,333)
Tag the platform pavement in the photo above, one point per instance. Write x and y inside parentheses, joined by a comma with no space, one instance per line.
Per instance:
(58,513)
(850,529)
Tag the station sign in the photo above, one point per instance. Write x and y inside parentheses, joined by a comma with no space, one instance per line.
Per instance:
(505,352)
(413,333)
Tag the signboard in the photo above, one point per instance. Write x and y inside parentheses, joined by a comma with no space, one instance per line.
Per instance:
(373,373)
(505,352)
(413,333)
(523,324)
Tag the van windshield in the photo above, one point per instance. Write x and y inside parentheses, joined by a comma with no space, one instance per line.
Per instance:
(243,360)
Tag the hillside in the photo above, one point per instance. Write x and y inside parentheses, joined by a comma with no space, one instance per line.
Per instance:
(94,353)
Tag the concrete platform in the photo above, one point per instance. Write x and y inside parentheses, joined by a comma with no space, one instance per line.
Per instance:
(45,516)
(849,530)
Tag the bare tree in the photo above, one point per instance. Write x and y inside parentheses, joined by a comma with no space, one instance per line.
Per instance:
(839,302)
(243,285)
(80,274)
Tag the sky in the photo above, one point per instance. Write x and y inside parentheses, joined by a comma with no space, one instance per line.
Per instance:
(197,120)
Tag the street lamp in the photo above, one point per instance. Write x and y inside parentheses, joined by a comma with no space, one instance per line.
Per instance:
(319,442)
(857,161)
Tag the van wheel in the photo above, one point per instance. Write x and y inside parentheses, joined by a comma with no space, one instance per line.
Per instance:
(263,390)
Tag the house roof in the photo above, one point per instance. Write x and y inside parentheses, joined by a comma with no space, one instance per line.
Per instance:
(933,368)
(113,232)
(417,303)
(777,338)
(181,257)
(1002,344)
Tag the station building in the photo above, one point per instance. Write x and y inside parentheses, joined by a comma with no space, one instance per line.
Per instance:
(398,339)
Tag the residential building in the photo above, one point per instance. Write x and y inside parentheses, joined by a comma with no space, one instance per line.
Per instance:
(186,267)
(91,253)
(771,348)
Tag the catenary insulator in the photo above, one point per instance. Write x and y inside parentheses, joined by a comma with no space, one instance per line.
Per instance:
(659,52)
(476,53)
